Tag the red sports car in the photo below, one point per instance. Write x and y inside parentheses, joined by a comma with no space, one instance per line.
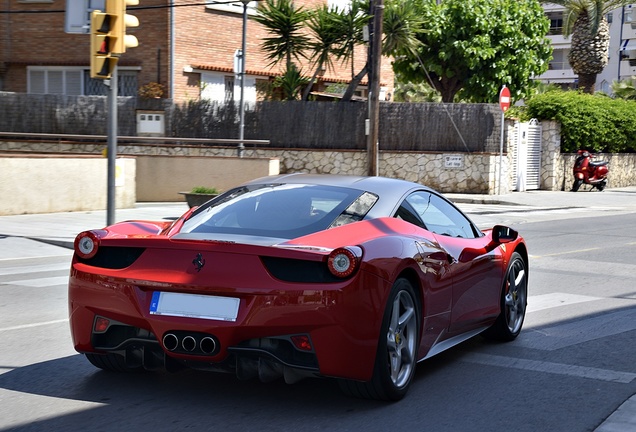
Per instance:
(355,278)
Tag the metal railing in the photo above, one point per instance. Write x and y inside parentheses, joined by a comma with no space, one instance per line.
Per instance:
(129,139)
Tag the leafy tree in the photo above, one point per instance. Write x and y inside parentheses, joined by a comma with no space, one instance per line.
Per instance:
(415,92)
(585,21)
(471,48)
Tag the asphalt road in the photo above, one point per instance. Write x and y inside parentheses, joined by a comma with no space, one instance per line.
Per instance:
(571,367)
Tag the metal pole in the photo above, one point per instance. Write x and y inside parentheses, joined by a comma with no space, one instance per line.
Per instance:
(374,88)
(501,150)
(112,148)
(241,146)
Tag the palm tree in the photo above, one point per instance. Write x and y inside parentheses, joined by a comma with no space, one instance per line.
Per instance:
(400,26)
(625,89)
(323,23)
(585,21)
(285,23)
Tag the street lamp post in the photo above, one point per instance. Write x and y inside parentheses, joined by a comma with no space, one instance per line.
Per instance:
(241,146)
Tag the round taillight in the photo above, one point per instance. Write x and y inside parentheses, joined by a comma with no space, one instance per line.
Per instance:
(342,262)
(86,244)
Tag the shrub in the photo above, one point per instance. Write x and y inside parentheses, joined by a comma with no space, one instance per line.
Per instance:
(594,122)
(204,190)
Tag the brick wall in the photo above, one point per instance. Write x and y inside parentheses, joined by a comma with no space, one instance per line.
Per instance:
(203,36)
(28,39)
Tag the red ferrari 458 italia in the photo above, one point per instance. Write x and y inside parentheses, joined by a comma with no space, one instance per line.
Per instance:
(293,276)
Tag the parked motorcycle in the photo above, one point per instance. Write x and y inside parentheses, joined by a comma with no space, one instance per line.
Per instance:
(587,171)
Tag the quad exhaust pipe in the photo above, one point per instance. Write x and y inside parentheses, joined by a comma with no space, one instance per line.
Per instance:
(190,343)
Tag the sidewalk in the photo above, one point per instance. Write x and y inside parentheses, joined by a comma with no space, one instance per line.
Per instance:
(55,233)
(60,229)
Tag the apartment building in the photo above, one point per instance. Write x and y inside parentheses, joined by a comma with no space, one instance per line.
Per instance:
(622,51)
(189,47)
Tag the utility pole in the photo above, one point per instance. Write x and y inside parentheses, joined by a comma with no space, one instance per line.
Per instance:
(241,146)
(108,42)
(111,148)
(375,62)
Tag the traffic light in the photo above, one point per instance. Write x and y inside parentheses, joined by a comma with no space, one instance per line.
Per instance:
(117,9)
(103,60)
(108,36)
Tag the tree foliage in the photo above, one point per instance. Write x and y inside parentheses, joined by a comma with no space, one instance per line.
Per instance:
(333,34)
(284,23)
(593,122)
(471,48)
(585,21)
(625,89)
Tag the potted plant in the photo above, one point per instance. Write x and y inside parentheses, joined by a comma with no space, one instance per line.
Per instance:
(199,195)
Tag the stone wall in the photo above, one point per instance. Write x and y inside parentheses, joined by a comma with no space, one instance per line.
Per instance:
(476,172)
(556,167)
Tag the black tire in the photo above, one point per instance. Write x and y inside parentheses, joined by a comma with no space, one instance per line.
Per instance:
(514,300)
(576,185)
(601,186)
(111,362)
(396,357)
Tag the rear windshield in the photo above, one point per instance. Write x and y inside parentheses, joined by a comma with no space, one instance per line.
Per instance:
(280,210)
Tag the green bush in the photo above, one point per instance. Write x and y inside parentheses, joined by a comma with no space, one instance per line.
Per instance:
(204,190)
(594,122)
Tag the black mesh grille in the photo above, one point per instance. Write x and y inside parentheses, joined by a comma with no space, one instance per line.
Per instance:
(290,270)
(114,257)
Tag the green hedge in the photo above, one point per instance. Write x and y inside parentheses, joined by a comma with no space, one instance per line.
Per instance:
(593,122)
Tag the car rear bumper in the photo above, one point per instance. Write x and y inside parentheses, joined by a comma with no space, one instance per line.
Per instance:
(342,322)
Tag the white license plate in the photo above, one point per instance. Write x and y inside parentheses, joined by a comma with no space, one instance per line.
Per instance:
(194,306)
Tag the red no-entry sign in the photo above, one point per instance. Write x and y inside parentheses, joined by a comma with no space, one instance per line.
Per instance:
(504,98)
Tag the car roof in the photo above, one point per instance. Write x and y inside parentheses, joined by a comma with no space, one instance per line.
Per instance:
(382,186)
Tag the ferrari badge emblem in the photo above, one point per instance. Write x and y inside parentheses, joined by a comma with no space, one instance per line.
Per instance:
(198,262)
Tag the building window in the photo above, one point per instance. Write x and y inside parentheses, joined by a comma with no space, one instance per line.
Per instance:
(556,23)
(221,88)
(126,84)
(560,59)
(54,80)
(236,7)
(229,88)
(74,81)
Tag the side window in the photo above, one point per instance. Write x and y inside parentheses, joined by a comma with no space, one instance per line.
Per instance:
(439,216)
(405,212)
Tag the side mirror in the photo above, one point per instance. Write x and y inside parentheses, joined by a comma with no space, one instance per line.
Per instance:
(502,234)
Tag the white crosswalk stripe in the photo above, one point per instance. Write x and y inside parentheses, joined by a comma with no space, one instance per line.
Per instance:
(28,268)
(39,282)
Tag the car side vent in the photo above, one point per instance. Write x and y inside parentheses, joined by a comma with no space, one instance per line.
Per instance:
(113,257)
(290,270)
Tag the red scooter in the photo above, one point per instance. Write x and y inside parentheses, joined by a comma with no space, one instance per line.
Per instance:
(587,171)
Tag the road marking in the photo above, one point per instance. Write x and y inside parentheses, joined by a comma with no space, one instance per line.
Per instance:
(66,254)
(34,268)
(32,325)
(40,282)
(566,253)
(579,331)
(552,368)
(552,300)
